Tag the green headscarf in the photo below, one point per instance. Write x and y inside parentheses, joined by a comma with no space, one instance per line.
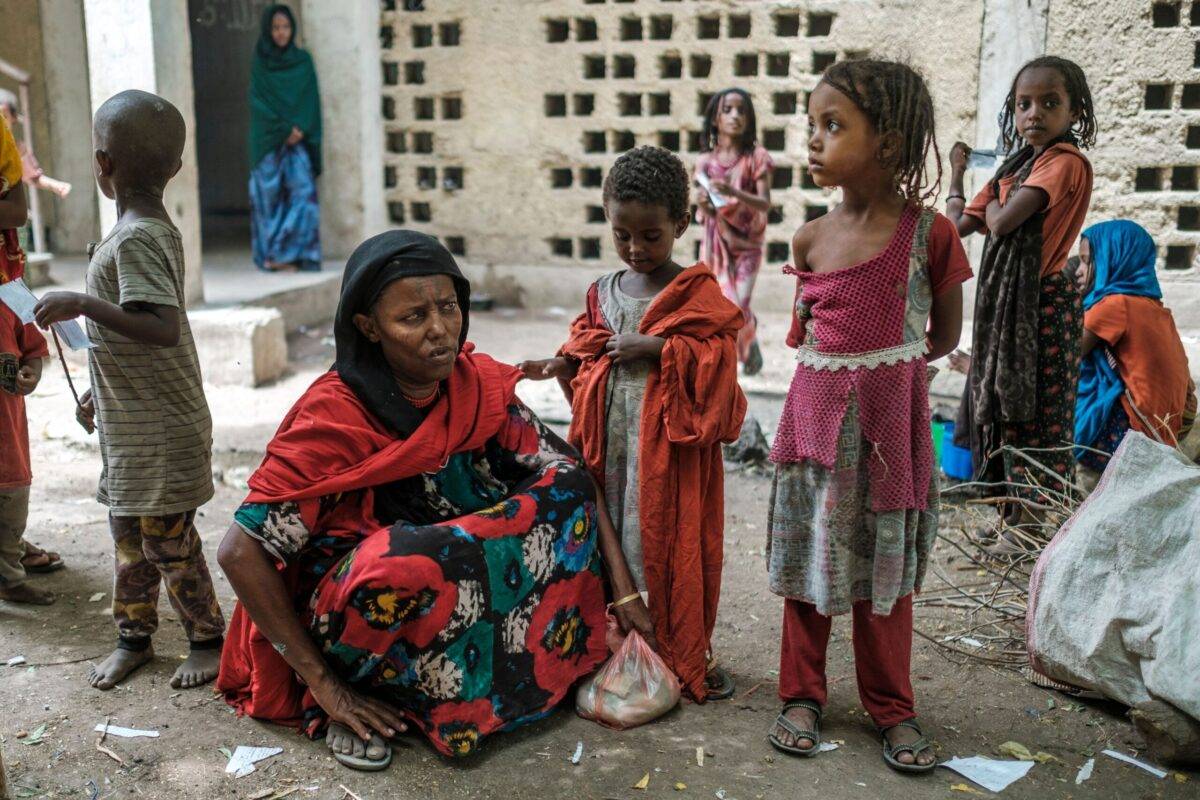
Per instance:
(283,94)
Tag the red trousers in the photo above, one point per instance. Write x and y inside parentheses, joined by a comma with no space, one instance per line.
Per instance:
(882,657)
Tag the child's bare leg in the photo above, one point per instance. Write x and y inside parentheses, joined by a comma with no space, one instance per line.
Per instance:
(120,664)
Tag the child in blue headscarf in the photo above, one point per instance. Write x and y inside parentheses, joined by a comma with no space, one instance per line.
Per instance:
(1135,372)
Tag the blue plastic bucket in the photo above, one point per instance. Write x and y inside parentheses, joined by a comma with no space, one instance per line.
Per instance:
(956,461)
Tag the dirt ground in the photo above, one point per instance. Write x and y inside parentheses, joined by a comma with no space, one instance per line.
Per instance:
(968,710)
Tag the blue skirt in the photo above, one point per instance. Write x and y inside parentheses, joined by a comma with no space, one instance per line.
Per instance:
(285,219)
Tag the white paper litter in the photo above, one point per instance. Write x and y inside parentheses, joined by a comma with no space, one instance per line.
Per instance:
(15,661)
(96,598)
(16,295)
(990,773)
(1155,771)
(577,756)
(825,747)
(124,733)
(1085,771)
(242,762)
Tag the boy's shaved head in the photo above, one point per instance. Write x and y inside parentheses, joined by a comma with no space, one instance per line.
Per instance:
(143,134)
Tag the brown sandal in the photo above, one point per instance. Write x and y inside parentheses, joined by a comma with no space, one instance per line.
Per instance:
(38,561)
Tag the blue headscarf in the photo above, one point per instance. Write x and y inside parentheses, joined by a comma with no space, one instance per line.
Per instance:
(1123,258)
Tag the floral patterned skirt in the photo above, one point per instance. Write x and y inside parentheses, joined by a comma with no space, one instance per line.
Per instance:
(478,624)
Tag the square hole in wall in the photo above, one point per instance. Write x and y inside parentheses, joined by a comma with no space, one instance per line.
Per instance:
(631,29)
(660,103)
(813,212)
(1165,15)
(563,248)
(591,177)
(457,245)
(421,212)
(450,34)
(629,104)
(389,177)
(585,30)
(806,180)
(661,27)
(1147,179)
(670,66)
(774,215)
(583,104)
(396,142)
(774,138)
(593,2)
(396,212)
(389,108)
(822,62)
(594,142)
(708,28)
(594,67)
(1192,140)
(1196,56)
(414,72)
(820,23)
(387,37)
(778,252)
(693,141)
(595,215)
(699,66)
(702,101)
(739,26)
(779,64)
(1180,256)
(589,247)
(555,105)
(391,73)
(422,35)
(1188,218)
(453,179)
(696,250)
(557,30)
(782,177)
(426,177)
(1183,179)
(561,178)
(423,107)
(669,140)
(1195,15)
(787,23)
(623,140)
(422,142)
(784,102)
(1158,96)
(624,67)
(1191,95)
(745,65)
(452,108)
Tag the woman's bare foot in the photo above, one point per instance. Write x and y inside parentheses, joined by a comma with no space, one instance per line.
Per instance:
(24,593)
(200,667)
(902,734)
(804,719)
(118,666)
(345,742)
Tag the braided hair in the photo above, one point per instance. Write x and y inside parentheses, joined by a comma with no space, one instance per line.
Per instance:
(649,175)
(1083,132)
(896,101)
(708,134)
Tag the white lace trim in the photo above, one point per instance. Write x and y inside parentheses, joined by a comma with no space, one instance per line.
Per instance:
(909,351)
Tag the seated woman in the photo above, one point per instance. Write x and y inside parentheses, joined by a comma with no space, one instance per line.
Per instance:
(1134,373)
(416,546)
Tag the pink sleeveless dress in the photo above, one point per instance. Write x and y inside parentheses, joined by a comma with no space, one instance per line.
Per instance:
(854,503)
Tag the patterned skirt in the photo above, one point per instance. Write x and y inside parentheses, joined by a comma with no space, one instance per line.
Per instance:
(474,625)
(285,218)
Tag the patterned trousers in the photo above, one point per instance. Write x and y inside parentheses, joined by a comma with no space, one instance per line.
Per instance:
(167,549)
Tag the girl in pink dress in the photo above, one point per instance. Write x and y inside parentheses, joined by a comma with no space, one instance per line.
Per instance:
(853,509)
(734,206)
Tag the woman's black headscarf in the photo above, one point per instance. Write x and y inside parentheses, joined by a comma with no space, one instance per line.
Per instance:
(374,265)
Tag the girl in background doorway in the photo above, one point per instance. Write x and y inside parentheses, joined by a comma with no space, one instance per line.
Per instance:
(733,209)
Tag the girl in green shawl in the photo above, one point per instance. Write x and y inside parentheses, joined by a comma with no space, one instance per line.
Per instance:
(285,149)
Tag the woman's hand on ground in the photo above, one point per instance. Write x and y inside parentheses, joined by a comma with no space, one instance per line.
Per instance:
(635,616)
(626,347)
(357,712)
(546,368)
(295,136)
(958,157)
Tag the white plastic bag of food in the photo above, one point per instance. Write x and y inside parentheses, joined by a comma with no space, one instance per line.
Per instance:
(633,688)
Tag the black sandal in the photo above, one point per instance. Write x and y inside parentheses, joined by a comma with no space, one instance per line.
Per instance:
(796,732)
(724,687)
(890,750)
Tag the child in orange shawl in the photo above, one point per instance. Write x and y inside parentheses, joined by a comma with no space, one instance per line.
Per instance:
(650,369)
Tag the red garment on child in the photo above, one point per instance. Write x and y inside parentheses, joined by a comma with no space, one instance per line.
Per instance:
(882,658)
(692,404)
(22,342)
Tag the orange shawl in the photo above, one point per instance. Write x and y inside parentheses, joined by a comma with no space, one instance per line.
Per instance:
(692,405)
